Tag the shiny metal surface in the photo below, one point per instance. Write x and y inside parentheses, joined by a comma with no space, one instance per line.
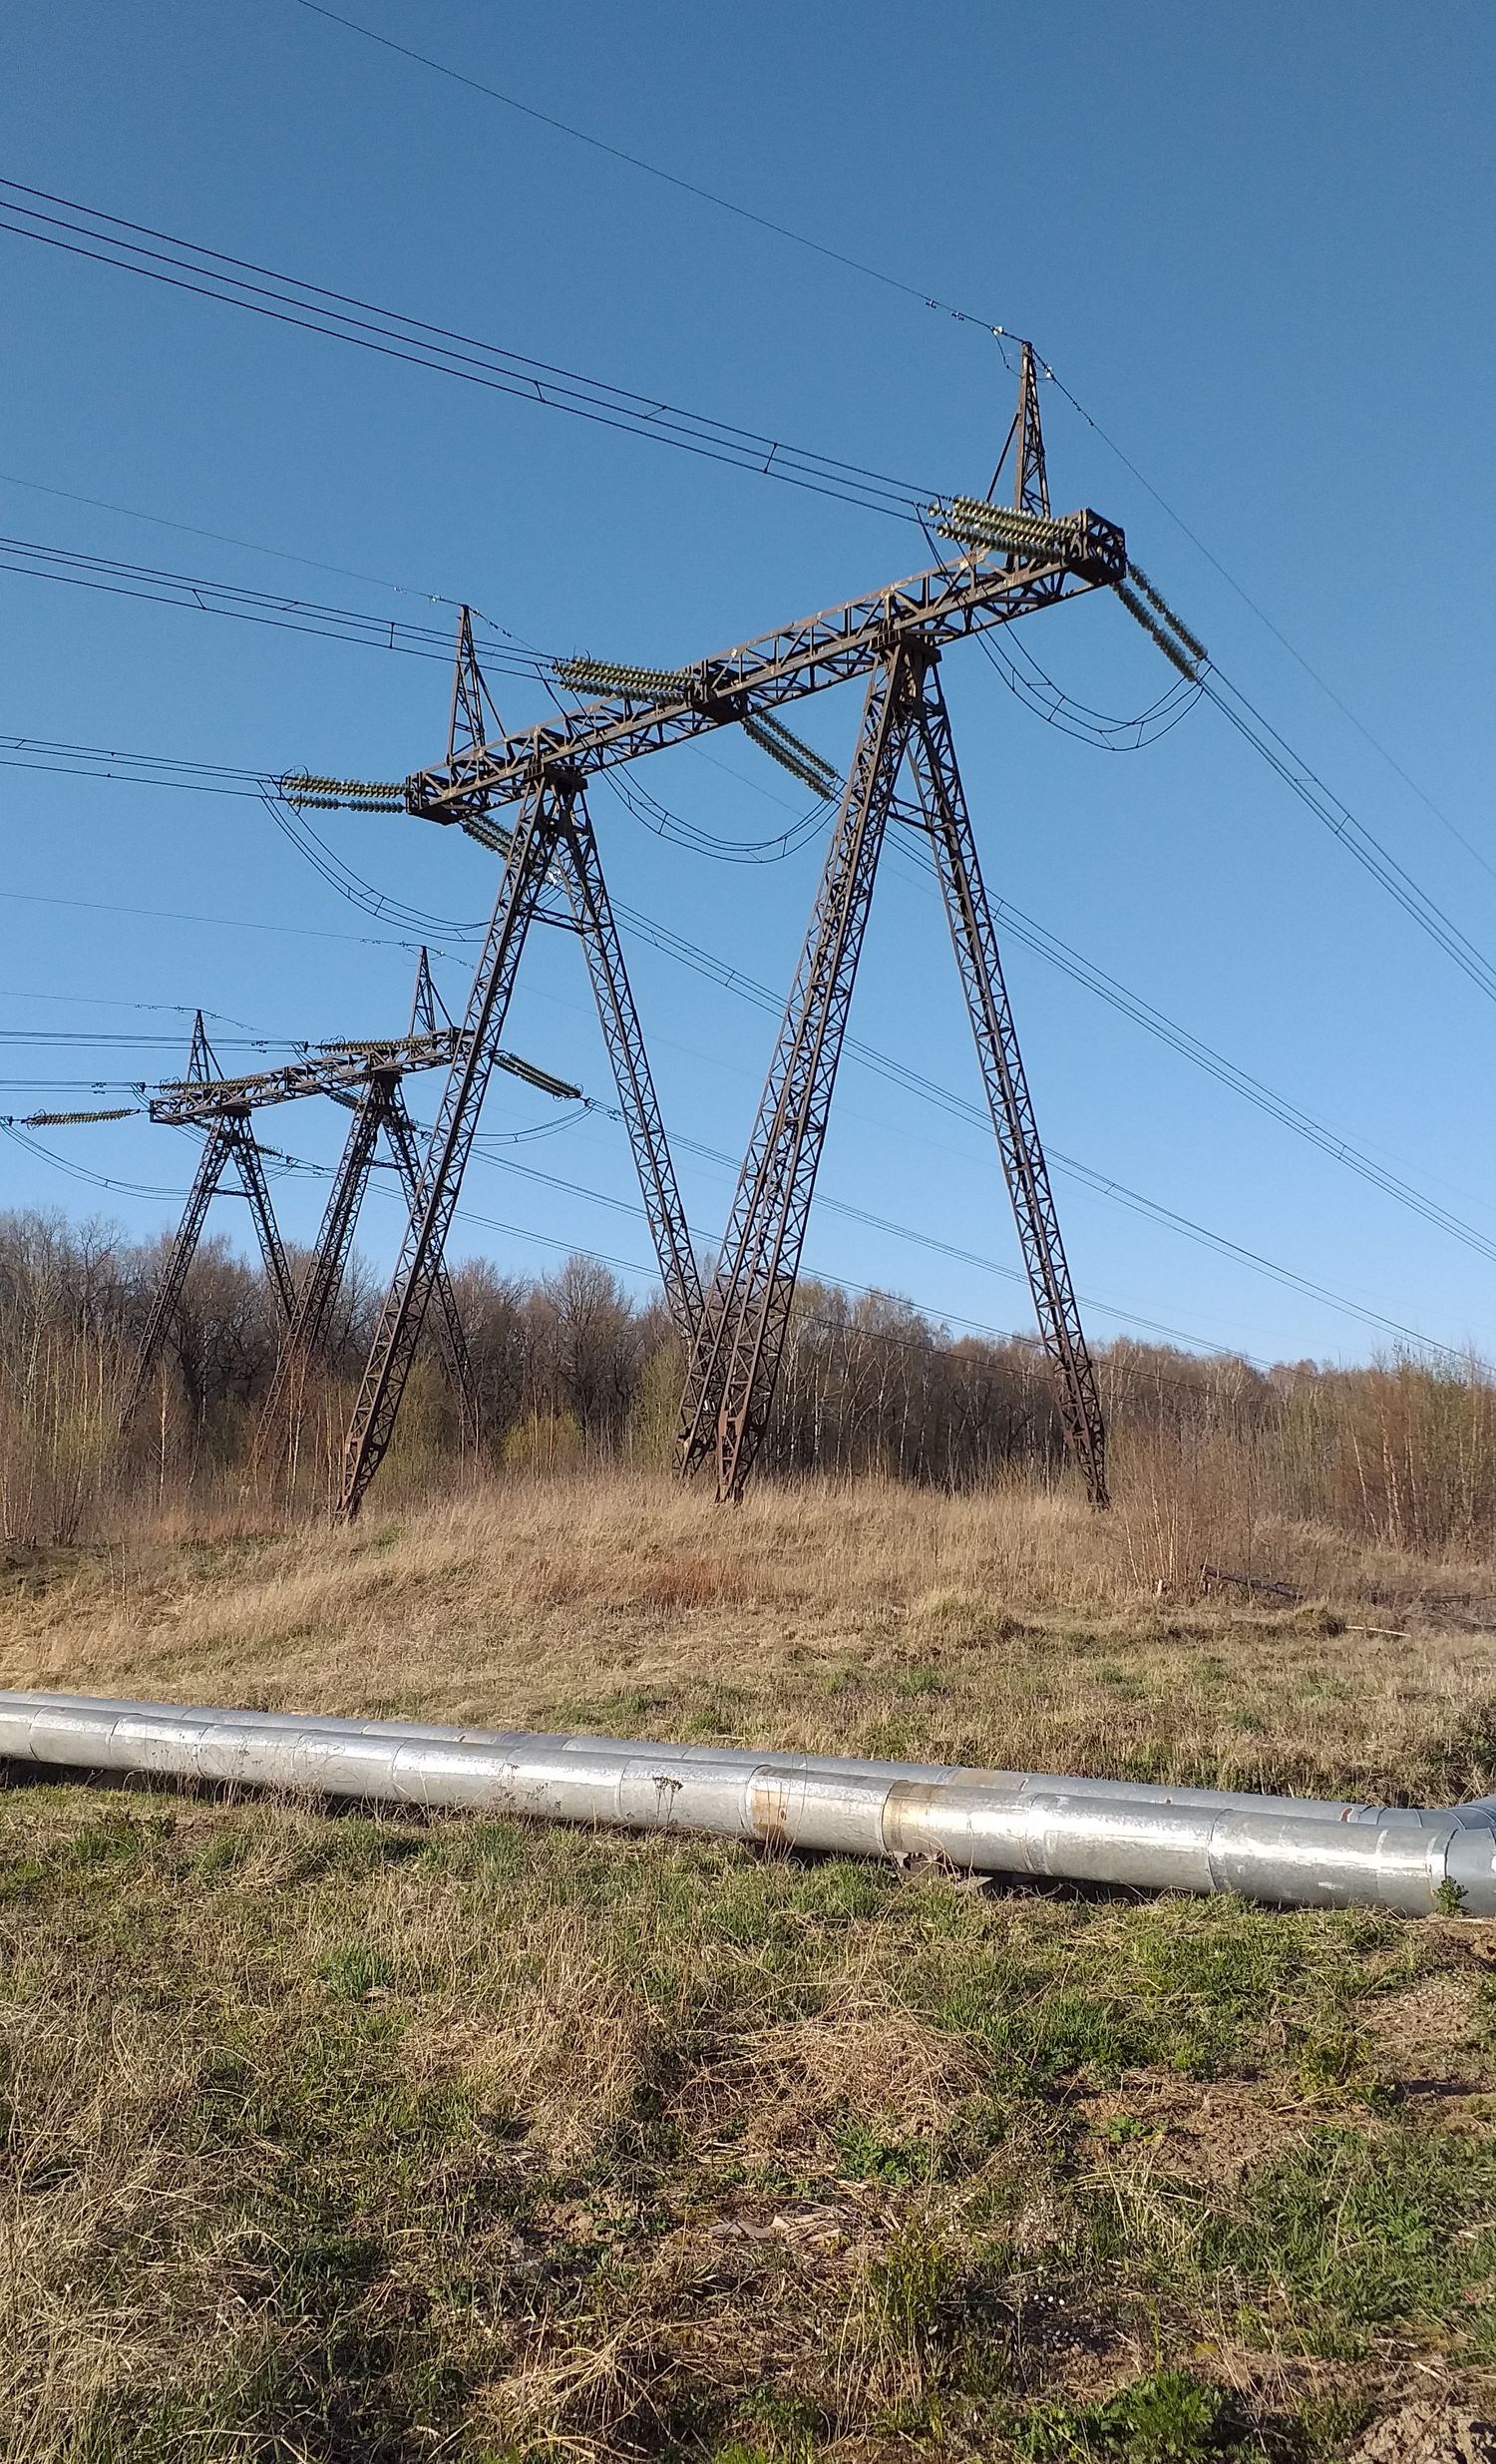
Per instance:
(1279,1851)
(748,1758)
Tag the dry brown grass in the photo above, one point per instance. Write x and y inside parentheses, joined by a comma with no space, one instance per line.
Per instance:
(1009,1628)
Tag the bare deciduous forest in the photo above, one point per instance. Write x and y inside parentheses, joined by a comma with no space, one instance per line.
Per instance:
(1215,1458)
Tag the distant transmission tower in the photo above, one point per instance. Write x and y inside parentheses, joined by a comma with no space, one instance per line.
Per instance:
(734,1364)
(379,1110)
(223,1104)
(365,1074)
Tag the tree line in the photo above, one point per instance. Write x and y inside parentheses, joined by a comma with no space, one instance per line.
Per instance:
(570,1371)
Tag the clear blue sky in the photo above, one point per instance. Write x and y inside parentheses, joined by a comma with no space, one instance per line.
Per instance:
(1255,243)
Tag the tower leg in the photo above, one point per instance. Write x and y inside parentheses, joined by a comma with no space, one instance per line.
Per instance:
(280,1415)
(734,1361)
(217,1149)
(252,1171)
(932,760)
(542,818)
(581,870)
(400,1130)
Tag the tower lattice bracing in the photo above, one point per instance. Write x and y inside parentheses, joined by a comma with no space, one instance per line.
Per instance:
(943,801)
(363,1075)
(551,849)
(380,1112)
(552,846)
(734,1364)
(230,1140)
(1011,559)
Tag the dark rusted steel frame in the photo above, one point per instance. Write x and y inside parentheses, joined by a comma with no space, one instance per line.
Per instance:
(452,1340)
(333,1073)
(224,1107)
(1025,442)
(230,1139)
(895,636)
(580,869)
(734,1363)
(946,604)
(552,844)
(542,817)
(974,937)
(280,1414)
(379,1108)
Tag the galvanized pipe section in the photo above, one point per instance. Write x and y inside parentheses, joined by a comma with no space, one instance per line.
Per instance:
(743,1758)
(1275,1849)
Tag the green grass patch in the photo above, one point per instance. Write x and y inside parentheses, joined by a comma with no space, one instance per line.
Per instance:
(386,2137)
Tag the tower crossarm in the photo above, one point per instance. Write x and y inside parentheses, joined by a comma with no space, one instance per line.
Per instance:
(329,1071)
(979,588)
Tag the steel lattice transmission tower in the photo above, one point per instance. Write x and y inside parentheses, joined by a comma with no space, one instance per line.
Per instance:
(550,849)
(365,1074)
(1009,559)
(379,1111)
(734,1363)
(224,1106)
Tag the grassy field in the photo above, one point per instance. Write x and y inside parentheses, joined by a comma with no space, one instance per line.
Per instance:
(393,2138)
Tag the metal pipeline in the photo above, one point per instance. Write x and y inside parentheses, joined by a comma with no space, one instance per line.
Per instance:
(1162,1792)
(1284,1851)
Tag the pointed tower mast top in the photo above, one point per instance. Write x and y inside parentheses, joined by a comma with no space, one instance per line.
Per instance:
(1025,442)
(427,1001)
(474,716)
(202,1061)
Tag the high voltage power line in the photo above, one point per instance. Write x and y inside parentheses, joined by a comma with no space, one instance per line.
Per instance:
(429,642)
(205,595)
(901,1073)
(1389,1326)
(17,1132)
(1069,961)
(1021,926)
(227,924)
(119,578)
(688,187)
(236,281)
(282,1164)
(1285,1276)
(187,265)
(885,1065)
(980,320)
(226,539)
(558,834)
